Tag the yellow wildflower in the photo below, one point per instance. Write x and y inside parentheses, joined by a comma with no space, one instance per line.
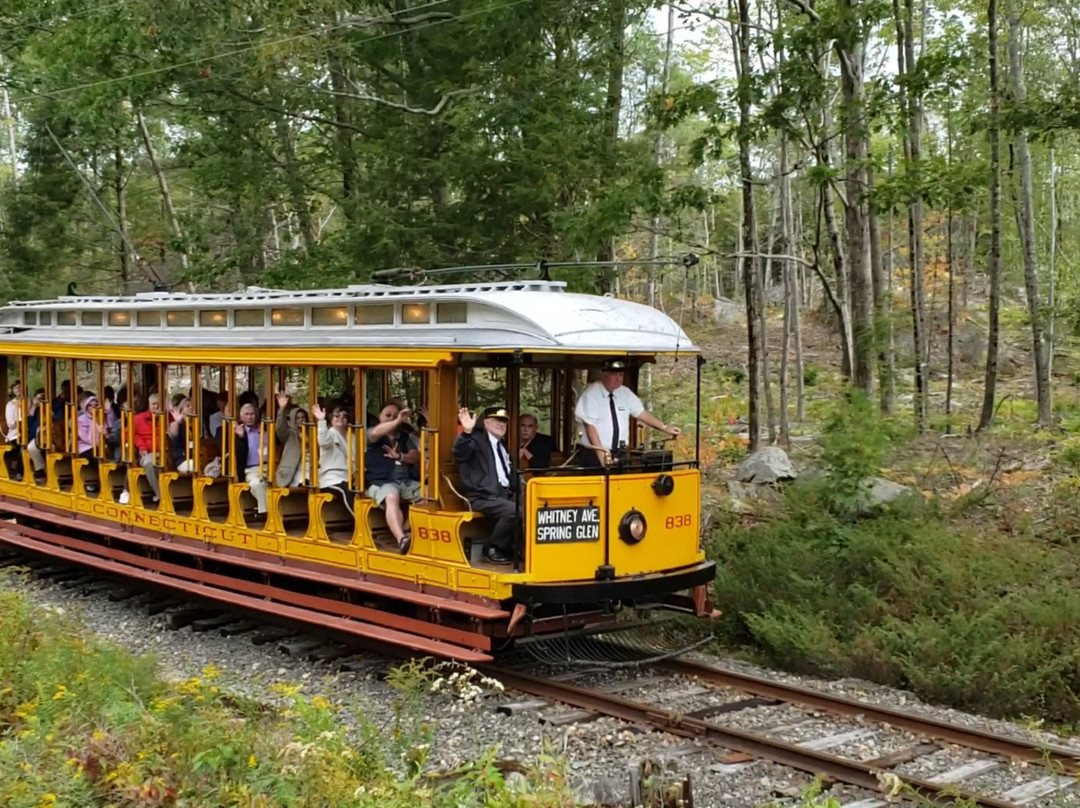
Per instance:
(61,692)
(252,762)
(26,709)
(47,800)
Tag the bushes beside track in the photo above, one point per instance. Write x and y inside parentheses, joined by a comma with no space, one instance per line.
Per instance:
(913,598)
(85,725)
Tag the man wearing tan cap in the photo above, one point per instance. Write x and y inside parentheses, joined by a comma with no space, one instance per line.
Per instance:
(487,477)
(604,409)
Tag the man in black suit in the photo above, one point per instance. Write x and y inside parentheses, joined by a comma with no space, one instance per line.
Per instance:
(534,450)
(487,477)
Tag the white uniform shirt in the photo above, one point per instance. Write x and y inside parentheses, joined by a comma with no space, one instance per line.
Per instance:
(502,460)
(13,416)
(593,407)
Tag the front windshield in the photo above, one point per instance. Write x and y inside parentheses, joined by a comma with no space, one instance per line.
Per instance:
(584,412)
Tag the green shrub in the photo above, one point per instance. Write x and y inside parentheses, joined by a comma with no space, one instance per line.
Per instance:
(853,442)
(966,618)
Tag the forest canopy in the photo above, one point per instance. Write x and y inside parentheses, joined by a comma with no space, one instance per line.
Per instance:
(899,167)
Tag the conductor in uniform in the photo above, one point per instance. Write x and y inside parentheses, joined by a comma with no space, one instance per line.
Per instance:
(487,477)
(604,409)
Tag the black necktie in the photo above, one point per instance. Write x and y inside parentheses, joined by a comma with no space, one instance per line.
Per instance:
(502,460)
(614,423)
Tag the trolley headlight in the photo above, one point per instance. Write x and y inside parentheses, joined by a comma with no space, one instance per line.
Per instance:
(632,527)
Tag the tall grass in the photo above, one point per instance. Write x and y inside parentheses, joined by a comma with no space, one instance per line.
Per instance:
(86,725)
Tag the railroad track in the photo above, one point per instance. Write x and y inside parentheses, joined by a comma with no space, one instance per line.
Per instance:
(695,701)
(1052,769)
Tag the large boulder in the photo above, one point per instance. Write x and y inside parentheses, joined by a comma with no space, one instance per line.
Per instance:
(877,492)
(765,466)
(759,500)
(728,311)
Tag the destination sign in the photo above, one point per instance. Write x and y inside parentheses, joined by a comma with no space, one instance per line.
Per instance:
(562,525)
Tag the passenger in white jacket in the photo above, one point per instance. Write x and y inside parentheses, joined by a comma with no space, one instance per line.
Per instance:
(334,455)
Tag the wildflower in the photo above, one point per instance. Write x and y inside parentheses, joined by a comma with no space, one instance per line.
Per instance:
(61,692)
(252,762)
(320,703)
(47,800)
(26,709)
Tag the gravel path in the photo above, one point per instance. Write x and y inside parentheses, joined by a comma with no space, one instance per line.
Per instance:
(596,752)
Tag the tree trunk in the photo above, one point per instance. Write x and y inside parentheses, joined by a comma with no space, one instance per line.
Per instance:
(763,343)
(1026,218)
(5,113)
(342,136)
(1051,298)
(842,298)
(749,228)
(121,217)
(882,303)
(890,274)
(951,258)
(657,152)
(294,181)
(913,157)
(787,247)
(952,269)
(607,279)
(856,214)
(163,185)
(986,417)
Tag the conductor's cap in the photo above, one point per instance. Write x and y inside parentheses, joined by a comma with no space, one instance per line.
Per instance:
(497,412)
(615,365)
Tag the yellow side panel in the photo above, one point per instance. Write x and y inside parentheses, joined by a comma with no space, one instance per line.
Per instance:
(336,554)
(53,498)
(437,535)
(671,539)
(268,544)
(479,583)
(562,559)
(12,489)
(410,569)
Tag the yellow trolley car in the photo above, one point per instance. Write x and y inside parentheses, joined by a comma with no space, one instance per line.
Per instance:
(529,346)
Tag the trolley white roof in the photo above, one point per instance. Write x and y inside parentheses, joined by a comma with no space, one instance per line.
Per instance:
(528,315)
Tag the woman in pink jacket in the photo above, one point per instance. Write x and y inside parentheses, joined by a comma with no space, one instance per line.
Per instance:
(90,434)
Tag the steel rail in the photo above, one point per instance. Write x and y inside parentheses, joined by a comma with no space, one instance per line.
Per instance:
(862,775)
(1061,759)
(167,575)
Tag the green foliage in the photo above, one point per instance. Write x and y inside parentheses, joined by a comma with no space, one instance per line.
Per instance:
(853,444)
(83,724)
(812,797)
(305,150)
(907,600)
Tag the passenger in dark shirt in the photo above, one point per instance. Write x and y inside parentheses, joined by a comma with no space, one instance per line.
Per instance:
(534,450)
